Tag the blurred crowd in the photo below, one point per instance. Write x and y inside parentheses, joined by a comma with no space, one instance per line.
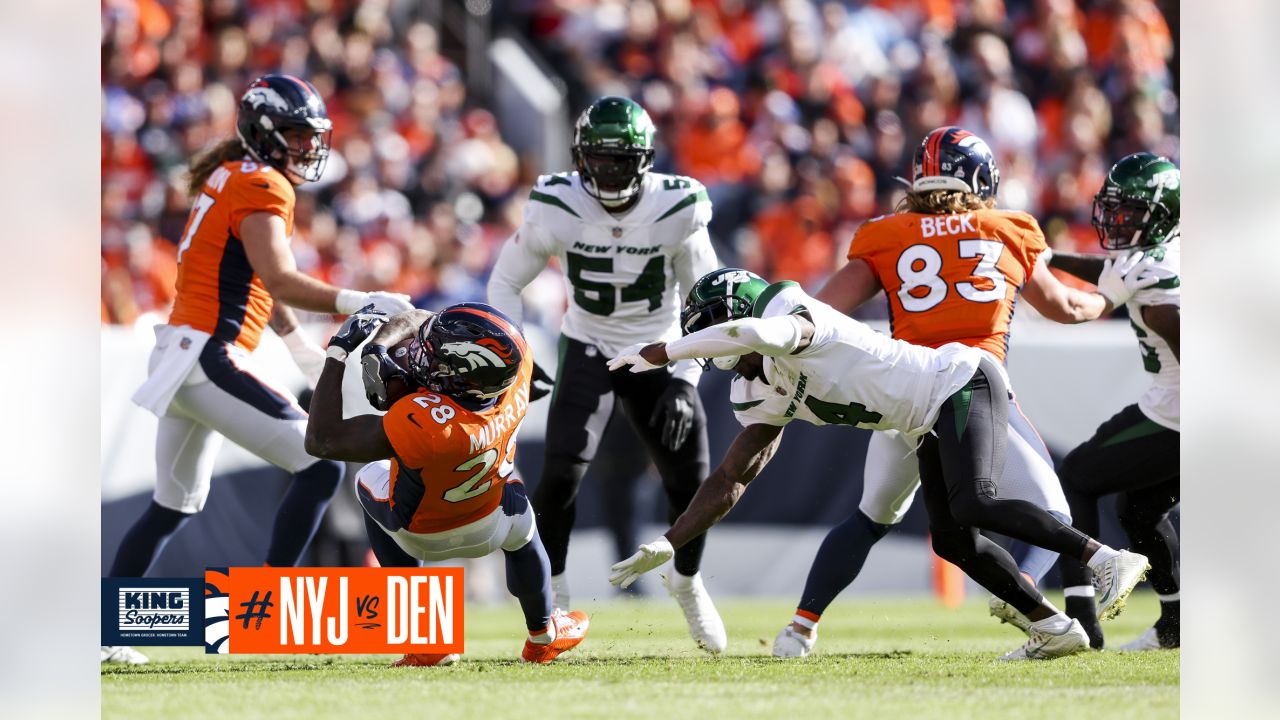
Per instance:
(799,116)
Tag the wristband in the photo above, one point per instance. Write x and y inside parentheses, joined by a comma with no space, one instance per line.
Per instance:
(349,301)
(337,353)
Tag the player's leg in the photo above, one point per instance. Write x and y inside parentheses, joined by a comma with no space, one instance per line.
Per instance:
(551,631)
(185,451)
(1029,475)
(1127,452)
(890,477)
(1144,514)
(581,407)
(682,469)
(267,421)
(373,492)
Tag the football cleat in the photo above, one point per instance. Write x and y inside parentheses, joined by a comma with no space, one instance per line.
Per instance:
(1149,640)
(427,660)
(1116,579)
(1006,613)
(122,654)
(571,629)
(1041,645)
(791,644)
(700,613)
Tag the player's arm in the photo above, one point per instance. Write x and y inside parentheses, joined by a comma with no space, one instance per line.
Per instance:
(400,328)
(329,435)
(1117,281)
(850,287)
(306,354)
(775,336)
(1165,321)
(747,456)
(1087,267)
(267,247)
(522,257)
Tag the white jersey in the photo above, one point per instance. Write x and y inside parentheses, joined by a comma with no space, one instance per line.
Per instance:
(626,274)
(849,374)
(1161,401)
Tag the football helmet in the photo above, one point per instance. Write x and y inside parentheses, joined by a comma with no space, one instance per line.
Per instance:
(951,158)
(283,123)
(1138,205)
(720,296)
(468,351)
(613,149)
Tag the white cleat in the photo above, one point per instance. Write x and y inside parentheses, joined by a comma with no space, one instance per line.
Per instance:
(1116,579)
(559,592)
(1148,640)
(1006,613)
(791,644)
(1041,645)
(122,654)
(705,624)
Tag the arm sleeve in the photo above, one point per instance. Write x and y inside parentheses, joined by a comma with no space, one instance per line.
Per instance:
(695,258)
(773,336)
(522,257)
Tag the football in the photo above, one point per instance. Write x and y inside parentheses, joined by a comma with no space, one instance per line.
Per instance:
(398,387)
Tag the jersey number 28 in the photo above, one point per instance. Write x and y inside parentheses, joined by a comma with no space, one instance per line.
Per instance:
(919,266)
(480,480)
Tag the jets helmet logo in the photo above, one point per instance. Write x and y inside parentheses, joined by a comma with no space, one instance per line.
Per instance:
(474,354)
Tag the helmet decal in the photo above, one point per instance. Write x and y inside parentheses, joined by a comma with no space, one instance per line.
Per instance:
(474,354)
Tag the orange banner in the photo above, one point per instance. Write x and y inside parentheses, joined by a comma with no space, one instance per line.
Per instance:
(333,610)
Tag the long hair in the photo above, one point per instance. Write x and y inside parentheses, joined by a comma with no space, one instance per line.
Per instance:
(942,202)
(204,165)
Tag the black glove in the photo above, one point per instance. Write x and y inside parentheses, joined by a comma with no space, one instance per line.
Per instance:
(536,391)
(377,371)
(675,412)
(358,327)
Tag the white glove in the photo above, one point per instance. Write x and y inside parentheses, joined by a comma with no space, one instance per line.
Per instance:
(349,301)
(1124,276)
(308,356)
(630,355)
(650,556)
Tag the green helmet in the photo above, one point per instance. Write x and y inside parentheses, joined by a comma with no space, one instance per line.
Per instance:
(719,296)
(613,149)
(1138,205)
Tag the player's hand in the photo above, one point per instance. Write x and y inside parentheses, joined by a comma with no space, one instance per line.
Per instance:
(308,356)
(358,328)
(378,370)
(650,556)
(1122,277)
(639,360)
(542,384)
(675,412)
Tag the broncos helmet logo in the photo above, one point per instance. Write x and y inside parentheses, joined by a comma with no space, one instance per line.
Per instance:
(264,95)
(474,354)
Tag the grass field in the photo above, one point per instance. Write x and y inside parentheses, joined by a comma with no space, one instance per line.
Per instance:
(879,659)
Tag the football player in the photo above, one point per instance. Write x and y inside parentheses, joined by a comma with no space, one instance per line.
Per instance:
(952,267)
(631,243)
(236,275)
(797,357)
(1135,453)
(438,484)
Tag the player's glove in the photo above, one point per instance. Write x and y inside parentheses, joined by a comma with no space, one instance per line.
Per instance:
(358,328)
(675,412)
(1122,277)
(378,370)
(354,301)
(307,355)
(542,384)
(630,355)
(650,556)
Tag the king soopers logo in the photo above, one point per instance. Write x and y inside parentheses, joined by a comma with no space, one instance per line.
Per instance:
(155,608)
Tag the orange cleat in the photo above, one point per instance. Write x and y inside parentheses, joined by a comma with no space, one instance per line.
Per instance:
(426,660)
(571,629)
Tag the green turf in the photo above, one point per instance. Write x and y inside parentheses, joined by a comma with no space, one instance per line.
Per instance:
(878,659)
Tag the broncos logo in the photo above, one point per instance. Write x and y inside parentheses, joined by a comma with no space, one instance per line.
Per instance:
(263,95)
(485,353)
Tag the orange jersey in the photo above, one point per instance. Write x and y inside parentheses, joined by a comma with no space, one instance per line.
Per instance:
(450,463)
(218,291)
(951,277)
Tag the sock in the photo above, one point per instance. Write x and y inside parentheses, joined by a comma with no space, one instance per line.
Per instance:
(529,580)
(806,619)
(1168,626)
(839,560)
(680,581)
(1055,624)
(299,514)
(544,636)
(1081,606)
(144,541)
(1103,554)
